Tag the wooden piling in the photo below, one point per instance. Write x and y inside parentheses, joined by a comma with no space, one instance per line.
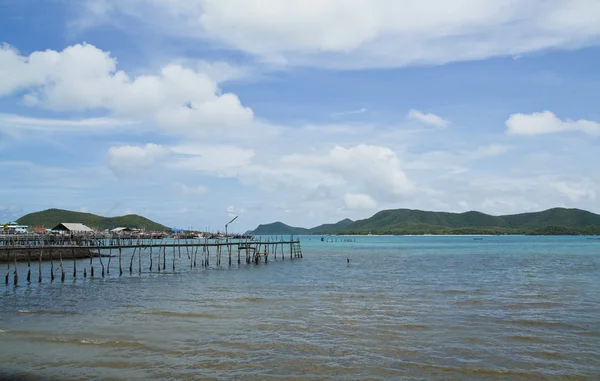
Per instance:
(150,254)
(131,261)
(62,267)
(74,263)
(120,260)
(101,262)
(40,267)
(109,258)
(29,266)
(16,275)
(51,267)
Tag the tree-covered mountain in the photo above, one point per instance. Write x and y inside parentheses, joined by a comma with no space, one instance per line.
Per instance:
(52,217)
(279,228)
(559,221)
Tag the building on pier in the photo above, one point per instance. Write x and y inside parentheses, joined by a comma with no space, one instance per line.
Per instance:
(15,228)
(68,227)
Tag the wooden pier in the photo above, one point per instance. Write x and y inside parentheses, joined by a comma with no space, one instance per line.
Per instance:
(155,255)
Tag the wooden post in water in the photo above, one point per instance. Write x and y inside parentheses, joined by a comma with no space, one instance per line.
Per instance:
(7,265)
(40,268)
(51,267)
(158,259)
(173,258)
(266,255)
(74,263)
(131,261)
(120,258)
(62,267)
(164,258)
(291,246)
(101,262)
(28,266)
(16,277)
(109,257)
(150,253)
(91,262)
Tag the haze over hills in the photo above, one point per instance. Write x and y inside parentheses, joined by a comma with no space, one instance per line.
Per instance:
(52,217)
(558,221)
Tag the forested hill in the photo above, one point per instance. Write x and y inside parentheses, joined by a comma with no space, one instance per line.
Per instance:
(559,221)
(52,217)
(279,228)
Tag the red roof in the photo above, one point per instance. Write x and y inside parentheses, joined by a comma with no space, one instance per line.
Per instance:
(40,229)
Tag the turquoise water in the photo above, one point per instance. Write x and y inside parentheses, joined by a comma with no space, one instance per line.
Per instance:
(404,308)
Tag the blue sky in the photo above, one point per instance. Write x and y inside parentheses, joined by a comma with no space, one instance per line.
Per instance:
(191,112)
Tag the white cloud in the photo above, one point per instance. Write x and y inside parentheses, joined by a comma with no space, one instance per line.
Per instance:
(428,119)
(374,170)
(83,77)
(340,114)
(17,122)
(210,158)
(198,190)
(126,160)
(368,33)
(546,122)
(488,151)
(576,191)
(359,201)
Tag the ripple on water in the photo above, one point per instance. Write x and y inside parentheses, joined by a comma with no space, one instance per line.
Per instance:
(200,315)
(48,312)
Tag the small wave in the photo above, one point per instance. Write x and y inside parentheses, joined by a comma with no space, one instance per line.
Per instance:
(250,299)
(47,312)
(181,314)
(3,331)
(99,342)
(524,338)
(521,306)
(538,323)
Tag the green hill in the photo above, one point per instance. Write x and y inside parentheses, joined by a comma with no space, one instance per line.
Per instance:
(331,228)
(556,221)
(277,228)
(52,217)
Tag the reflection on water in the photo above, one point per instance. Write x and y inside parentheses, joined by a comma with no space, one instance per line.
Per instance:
(404,308)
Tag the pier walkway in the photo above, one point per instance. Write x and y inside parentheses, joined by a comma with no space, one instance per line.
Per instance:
(152,253)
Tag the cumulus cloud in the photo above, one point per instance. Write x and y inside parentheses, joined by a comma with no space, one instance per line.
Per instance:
(359,201)
(370,33)
(428,119)
(374,169)
(83,77)
(546,122)
(130,159)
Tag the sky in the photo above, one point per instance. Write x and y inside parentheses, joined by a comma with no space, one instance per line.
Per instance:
(191,112)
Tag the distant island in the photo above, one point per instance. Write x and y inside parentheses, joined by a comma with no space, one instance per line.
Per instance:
(555,221)
(52,217)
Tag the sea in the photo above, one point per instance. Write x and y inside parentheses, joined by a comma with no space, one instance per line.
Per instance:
(353,308)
